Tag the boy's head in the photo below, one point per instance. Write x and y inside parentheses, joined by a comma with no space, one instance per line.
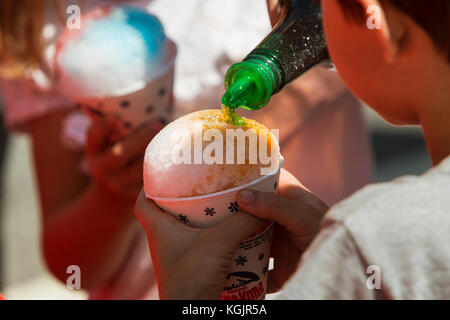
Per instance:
(393,54)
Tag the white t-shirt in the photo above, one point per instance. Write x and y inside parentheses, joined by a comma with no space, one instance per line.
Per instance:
(398,230)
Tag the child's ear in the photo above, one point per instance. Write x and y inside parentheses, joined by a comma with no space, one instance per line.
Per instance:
(386,26)
(274,11)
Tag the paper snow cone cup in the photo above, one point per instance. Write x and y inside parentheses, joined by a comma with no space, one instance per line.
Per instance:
(134,106)
(247,278)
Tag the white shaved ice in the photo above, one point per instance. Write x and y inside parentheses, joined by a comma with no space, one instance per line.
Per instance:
(111,54)
(165,177)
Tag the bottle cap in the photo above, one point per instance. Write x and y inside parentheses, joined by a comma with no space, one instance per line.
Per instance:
(249,85)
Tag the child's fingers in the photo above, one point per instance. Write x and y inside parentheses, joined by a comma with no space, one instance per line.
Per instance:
(286,254)
(233,230)
(156,221)
(229,233)
(132,175)
(296,216)
(272,285)
(168,238)
(148,213)
(290,187)
(127,182)
(97,136)
(130,147)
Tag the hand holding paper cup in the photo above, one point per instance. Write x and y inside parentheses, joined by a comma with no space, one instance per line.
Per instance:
(118,66)
(193,170)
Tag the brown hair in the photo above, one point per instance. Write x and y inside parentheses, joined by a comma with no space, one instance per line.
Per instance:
(433,16)
(21,40)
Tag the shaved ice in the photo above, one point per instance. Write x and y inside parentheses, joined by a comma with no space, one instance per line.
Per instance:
(166,176)
(116,49)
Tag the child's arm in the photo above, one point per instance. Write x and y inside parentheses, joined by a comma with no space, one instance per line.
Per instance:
(86,222)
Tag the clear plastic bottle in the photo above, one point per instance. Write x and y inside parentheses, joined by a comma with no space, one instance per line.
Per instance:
(295,45)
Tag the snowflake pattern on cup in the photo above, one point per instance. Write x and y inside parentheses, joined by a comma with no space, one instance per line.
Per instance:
(162,92)
(233,207)
(241,260)
(183,218)
(150,108)
(210,212)
(125,104)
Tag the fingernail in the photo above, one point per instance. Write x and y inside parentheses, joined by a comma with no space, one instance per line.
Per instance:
(246,197)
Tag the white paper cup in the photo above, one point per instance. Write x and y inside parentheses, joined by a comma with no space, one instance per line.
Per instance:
(134,106)
(247,278)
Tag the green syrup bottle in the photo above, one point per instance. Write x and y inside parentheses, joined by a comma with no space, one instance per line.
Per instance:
(295,45)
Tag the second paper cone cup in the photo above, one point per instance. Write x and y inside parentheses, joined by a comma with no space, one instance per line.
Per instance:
(134,106)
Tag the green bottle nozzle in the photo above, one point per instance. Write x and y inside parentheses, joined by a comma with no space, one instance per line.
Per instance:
(249,85)
(240,93)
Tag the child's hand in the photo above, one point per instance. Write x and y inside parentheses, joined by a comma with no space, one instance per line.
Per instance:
(117,167)
(193,263)
(298,215)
